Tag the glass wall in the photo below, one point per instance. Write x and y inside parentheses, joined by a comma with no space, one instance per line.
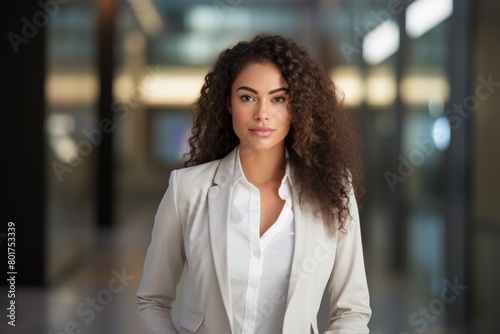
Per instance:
(72,92)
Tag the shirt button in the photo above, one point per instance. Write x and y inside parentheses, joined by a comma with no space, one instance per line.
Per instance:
(252,285)
(249,317)
(256,253)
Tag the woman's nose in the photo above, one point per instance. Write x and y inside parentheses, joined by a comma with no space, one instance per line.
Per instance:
(262,111)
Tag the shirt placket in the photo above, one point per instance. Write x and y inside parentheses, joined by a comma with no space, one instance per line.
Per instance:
(255,264)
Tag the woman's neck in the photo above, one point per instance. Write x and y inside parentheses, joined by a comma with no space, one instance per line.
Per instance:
(262,167)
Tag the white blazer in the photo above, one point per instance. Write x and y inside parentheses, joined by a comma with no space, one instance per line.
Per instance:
(191,230)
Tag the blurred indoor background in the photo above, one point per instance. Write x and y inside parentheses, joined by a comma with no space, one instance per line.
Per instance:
(96,115)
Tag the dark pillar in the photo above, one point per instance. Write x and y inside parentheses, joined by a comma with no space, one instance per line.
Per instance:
(459,60)
(23,142)
(399,204)
(105,186)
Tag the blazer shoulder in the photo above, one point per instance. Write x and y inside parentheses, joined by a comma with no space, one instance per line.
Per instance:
(199,176)
(211,172)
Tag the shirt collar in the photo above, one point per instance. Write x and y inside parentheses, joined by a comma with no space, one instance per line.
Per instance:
(238,171)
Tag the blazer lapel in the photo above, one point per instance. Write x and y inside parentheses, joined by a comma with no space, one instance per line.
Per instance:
(302,223)
(295,302)
(219,199)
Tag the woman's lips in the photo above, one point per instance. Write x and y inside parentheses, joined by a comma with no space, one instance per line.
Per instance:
(262,131)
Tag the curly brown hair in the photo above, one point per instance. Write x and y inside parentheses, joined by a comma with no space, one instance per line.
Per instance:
(322,143)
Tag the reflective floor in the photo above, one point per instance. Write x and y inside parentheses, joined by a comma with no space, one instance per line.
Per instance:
(97,297)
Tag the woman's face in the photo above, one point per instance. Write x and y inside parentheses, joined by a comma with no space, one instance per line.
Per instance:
(259,99)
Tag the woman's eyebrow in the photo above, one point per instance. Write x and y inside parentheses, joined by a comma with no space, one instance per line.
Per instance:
(278,90)
(270,92)
(248,88)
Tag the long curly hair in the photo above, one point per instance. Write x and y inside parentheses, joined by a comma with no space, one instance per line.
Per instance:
(323,145)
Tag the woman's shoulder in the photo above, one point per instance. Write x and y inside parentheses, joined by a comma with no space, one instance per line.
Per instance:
(204,171)
(209,169)
(205,175)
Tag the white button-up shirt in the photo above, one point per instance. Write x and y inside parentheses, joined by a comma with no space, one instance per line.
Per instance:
(259,267)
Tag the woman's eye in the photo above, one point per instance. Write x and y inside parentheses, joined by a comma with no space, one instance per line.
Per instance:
(246,98)
(279,99)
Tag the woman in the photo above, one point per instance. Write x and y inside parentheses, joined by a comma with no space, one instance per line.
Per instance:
(265,216)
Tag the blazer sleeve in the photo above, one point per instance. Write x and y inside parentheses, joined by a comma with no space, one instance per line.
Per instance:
(163,267)
(349,299)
